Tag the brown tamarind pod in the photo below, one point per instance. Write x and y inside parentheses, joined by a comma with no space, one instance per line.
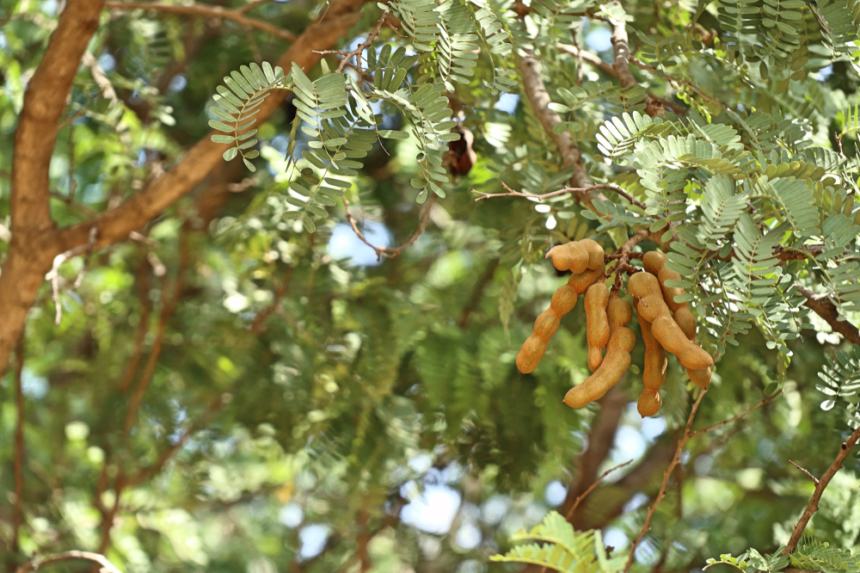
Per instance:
(671,337)
(653,309)
(571,256)
(563,300)
(649,402)
(655,363)
(685,319)
(595,253)
(619,312)
(700,377)
(646,288)
(546,324)
(530,354)
(580,282)
(669,293)
(616,361)
(597,323)
(655,263)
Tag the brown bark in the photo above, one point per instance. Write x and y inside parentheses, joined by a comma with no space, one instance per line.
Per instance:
(32,248)
(539,98)
(35,243)
(824,307)
(116,224)
(844,449)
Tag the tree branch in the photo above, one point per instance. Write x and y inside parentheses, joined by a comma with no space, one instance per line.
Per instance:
(18,506)
(391,252)
(32,247)
(165,456)
(44,102)
(587,56)
(676,81)
(824,307)
(601,437)
(844,449)
(609,69)
(206,11)
(540,100)
(169,304)
(688,433)
(115,224)
(584,190)
(814,479)
(584,494)
(666,475)
(477,293)
(36,564)
(621,49)
(739,416)
(257,324)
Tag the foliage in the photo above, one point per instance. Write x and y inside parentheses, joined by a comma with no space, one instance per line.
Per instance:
(242,385)
(563,549)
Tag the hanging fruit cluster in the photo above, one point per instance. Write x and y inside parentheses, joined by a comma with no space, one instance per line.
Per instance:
(666,325)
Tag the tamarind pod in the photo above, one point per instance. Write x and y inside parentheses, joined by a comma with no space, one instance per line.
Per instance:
(655,363)
(685,319)
(669,293)
(563,300)
(645,287)
(530,354)
(622,339)
(653,261)
(595,253)
(615,363)
(571,256)
(671,337)
(597,323)
(546,324)
(649,402)
(619,312)
(700,377)
(595,358)
(580,282)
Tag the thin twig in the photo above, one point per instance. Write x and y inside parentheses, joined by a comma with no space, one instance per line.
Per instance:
(607,68)
(591,488)
(165,456)
(54,274)
(674,80)
(36,564)
(391,252)
(168,307)
(142,284)
(688,433)
(478,293)
(251,5)
(806,471)
(357,52)
(741,415)
(257,324)
(844,449)
(583,190)
(237,16)
(666,475)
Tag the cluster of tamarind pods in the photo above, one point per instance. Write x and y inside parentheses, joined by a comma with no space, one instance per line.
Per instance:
(666,325)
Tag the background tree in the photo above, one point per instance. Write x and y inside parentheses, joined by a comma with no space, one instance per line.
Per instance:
(302,358)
